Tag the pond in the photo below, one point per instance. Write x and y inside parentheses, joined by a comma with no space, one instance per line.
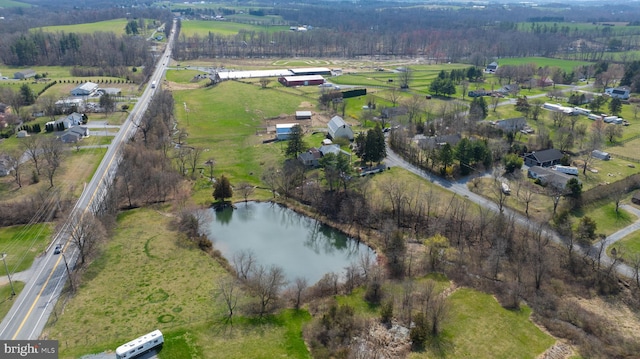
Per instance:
(302,246)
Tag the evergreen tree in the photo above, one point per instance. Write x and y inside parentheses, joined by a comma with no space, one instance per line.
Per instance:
(28,97)
(375,147)
(222,189)
(295,145)
(361,145)
(446,156)
(478,109)
(615,106)
(464,154)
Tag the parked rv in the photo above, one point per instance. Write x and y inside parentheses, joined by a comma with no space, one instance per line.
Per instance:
(505,188)
(140,345)
(594,117)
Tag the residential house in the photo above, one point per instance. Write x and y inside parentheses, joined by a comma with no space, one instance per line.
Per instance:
(24,74)
(544,158)
(5,166)
(512,124)
(74,134)
(622,93)
(339,128)
(507,89)
(333,148)
(549,177)
(85,89)
(545,82)
(74,119)
(491,68)
(284,130)
(391,112)
(311,158)
(70,104)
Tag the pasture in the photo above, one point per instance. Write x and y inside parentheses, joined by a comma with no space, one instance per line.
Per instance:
(145,280)
(225,28)
(117,26)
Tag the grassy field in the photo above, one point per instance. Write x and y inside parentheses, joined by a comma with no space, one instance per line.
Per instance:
(628,247)
(116,26)
(202,27)
(12,3)
(23,243)
(224,119)
(480,328)
(566,65)
(144,280)
(6,299)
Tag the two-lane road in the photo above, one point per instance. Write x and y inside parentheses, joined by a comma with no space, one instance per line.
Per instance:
(34,304)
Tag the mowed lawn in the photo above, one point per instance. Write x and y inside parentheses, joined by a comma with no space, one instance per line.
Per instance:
(566,65)
(148,277)
(202,27)
(478,327)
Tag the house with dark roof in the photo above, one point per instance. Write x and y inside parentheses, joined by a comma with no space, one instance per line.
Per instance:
(544,158)
(549,177)
(622,93)
(438,141)
(491,68)
(303,115)
(74,134)
(310,158)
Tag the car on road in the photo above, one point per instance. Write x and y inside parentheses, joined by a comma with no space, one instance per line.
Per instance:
(58,249)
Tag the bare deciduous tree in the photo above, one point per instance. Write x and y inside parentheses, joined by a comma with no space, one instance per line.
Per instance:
(244,262)
(246,190)
(228,289)
(32,147)
(265,284)
(86,231)
(52,153)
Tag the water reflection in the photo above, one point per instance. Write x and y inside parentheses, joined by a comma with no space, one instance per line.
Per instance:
(302,246)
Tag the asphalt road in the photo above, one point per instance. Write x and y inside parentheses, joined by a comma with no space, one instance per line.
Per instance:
(460,188)
(34,305)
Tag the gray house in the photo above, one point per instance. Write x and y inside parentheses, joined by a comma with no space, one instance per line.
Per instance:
(74,134)
(339,128)
(512,124)
(545,158)
(549,177)
(24,74)
(311,158)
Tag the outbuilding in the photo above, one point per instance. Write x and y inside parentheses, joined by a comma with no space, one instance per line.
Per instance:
(311,71)
(24,74)
(303,115)
(85,89)
(284,130)
(339,128)
(601,155)
(309,80)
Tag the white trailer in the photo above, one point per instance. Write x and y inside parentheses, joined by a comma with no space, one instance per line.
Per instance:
(505,188)
(140,345)
(594,117)
(566,169)
(581,111)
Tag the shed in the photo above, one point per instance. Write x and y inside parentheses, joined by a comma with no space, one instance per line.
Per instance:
(85,89)
(601,155)
(24,74)
(284,130)
(22,134)
(339,128)
(311,71)
(303,115)
(545,158)
(491,68)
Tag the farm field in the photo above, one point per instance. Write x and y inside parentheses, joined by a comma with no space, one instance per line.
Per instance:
(12,3)
(116,26)
(163,295)
(203,27)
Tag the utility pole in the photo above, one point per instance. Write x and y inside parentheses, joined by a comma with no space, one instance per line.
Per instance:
(4,255)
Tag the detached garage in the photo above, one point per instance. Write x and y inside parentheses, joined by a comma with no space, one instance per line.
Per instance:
(310,80)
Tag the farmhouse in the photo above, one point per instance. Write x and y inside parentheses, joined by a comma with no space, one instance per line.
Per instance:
(311,158)
(545,158)
(284,130)
(24,74)
(621,93)
(85,89)
(74,119)
(303,115)
(74,134)
(549,177)
(308,80)
(512,124)
(437,141)
(339,128)
(491,68)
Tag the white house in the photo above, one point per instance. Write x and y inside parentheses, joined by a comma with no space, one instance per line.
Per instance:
(621,93)
(85,89)
(339,128)
(74,119)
